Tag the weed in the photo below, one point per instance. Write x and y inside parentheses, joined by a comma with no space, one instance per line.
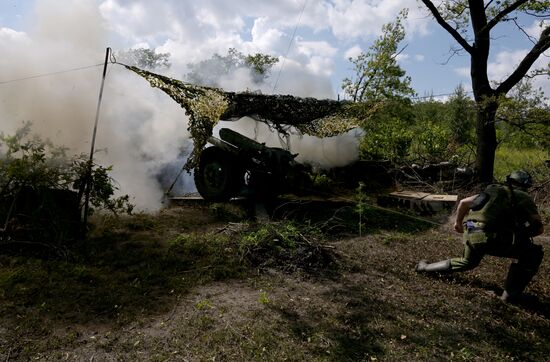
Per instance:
(264,299)
(360,205)
(285,244)
(204,304)
(322,182)
(226,212)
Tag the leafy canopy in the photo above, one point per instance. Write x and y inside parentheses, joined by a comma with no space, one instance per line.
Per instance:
(208,72)
(144,58)
(378,76)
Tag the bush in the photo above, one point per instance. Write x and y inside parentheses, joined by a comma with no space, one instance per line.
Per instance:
(36,176)
(386,141)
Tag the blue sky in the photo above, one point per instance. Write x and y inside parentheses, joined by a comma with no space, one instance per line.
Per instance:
(325,32)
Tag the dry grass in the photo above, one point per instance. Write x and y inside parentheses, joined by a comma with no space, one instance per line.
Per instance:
(178,286)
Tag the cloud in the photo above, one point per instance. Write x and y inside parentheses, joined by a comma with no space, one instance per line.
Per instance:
(266,38)
(402,57)
(192,33)
(535,30)
(505,62)
(9,35)
(361,19)
(353,52)
(462,71)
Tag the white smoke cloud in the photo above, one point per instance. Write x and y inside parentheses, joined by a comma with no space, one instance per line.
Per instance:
(319,152)
(139,129)
(142,132)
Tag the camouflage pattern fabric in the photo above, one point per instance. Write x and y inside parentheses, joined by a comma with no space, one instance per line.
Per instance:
(500,240)
(205,106)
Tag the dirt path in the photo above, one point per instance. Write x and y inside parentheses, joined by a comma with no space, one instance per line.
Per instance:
(373,307)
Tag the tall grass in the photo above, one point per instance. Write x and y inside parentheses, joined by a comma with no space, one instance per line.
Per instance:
(508,159)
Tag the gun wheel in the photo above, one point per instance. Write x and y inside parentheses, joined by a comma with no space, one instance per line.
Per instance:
(216,176)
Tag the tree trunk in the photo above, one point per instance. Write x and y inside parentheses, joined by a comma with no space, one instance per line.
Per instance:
(486,140)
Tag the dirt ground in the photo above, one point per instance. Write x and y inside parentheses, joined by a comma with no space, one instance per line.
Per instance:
(368,305)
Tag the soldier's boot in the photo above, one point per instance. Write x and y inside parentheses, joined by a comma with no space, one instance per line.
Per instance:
(520,274)
(440,266)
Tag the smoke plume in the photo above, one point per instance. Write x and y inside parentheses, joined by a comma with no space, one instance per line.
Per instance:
(142,133)
(140,130)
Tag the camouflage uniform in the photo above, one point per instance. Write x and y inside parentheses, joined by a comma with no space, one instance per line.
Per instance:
(500,223)
(497,234)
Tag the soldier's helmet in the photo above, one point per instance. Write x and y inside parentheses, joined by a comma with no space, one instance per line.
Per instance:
(520,179)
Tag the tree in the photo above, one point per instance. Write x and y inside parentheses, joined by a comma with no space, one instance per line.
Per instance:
(209,71)
(461,116)
(144,58)
(382,88)
(525,117)
(378,76)
(470,23)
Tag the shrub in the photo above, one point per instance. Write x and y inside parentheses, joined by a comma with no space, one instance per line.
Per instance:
(36,176)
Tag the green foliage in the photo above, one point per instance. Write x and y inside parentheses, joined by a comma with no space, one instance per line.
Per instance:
(264,298)
(444,131)
(204,304)
(144,58)
(472,25)
(509,158)
(431,144)
(260,64)
(26,161)
(226,212)
(193,244)
(524,117)
(101,187)
(378,76)
(272,235)
(461,117)
(322,182)
(383,87)
(208,72)
(388,133)
(286,245)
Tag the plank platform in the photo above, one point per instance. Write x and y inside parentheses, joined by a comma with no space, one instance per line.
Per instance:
(422,202)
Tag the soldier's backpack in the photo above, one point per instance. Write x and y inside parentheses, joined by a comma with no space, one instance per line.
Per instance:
(494,208)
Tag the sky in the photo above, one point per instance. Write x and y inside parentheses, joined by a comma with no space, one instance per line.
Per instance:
(142,129)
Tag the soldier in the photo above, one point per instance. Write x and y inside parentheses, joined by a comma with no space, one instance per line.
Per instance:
(500,221)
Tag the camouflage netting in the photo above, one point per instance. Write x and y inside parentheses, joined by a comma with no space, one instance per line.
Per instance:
(205,106)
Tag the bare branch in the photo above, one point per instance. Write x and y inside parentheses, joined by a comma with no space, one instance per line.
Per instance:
(454,33)
(538,73)
(452,53)
(491,24)
(531,39)
(542,16)
(399,51)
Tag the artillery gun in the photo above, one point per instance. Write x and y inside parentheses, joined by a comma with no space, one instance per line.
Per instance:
(236,165)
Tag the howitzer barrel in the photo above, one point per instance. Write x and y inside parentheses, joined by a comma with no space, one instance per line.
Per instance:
(240,141)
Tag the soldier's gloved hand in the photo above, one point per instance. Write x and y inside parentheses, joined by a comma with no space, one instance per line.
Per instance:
(458,227)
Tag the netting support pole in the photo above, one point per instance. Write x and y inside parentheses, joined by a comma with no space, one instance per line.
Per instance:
(92,149)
